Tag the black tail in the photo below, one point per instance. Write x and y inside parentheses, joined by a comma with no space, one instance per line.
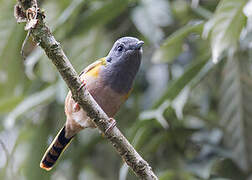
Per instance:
(54,151)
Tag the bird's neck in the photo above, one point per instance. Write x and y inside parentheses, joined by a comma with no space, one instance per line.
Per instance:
(120,77)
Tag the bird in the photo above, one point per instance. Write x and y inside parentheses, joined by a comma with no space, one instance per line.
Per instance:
(109,80)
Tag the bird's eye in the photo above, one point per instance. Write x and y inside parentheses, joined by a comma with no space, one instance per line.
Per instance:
(120,48)
(109,59)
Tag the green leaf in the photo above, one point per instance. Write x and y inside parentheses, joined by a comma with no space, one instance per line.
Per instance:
(225,27)
(173,45)
(178,85)
(235,109)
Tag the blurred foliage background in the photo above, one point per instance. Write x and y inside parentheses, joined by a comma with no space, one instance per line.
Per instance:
(190,111)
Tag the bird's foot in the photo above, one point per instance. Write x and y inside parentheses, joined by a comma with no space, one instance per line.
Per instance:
(83,83)
(76,107)
(111,126)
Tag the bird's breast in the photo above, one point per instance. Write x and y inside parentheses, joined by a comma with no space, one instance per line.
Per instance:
(107,98)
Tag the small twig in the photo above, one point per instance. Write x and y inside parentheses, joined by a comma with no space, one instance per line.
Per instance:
(43,36)
(24,43)
(5,151)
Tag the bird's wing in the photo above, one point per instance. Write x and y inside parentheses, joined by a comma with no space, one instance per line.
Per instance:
(99,62)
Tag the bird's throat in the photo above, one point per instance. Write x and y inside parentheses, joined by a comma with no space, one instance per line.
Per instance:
(120,77)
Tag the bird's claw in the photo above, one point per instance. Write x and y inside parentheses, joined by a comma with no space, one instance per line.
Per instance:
(76,107)
(111,126)
(83,83)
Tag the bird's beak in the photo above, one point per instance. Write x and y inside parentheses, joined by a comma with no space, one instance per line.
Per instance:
(138,45)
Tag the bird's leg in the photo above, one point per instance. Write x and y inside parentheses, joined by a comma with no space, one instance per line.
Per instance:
(76,105)
(111,126)
(83,83)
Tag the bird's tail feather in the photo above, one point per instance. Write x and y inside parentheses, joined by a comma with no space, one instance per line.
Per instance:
(53,152)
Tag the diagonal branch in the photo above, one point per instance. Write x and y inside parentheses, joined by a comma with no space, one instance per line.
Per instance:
(27,10)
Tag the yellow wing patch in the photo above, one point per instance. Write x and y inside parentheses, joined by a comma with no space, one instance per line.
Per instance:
(94,72)
(94,68)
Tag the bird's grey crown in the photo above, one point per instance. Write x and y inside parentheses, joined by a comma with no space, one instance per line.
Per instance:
(128,40)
